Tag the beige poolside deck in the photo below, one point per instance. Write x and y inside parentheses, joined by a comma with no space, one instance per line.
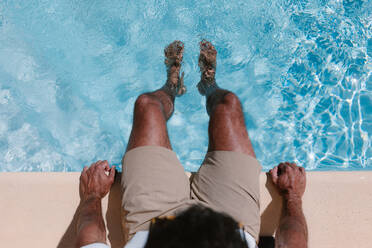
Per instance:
(37,208)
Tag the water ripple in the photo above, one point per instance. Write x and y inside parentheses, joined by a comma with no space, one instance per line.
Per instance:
(70,72)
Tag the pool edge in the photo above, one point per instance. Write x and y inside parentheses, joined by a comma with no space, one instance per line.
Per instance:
(37,208)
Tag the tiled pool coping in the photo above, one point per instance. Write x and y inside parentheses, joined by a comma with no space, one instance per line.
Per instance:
(36,208)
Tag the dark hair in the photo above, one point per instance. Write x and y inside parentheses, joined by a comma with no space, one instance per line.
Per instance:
(196,227)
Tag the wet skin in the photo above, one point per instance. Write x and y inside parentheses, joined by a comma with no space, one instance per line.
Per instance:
(227,130)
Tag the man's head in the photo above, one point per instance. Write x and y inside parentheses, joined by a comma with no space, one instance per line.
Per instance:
(196,227)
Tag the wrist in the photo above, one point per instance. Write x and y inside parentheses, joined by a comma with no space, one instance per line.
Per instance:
(292,205)
(90,198)
(293,198)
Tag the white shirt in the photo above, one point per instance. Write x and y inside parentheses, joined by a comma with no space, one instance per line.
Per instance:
(140,238)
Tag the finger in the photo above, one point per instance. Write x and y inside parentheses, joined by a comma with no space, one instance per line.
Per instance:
(302,169)
(112,173)
(282,165)
(293,165)
(93,166)
(274,174)
(103,165)
(97,163)
(89,168)
(84,174)
(89,171)
(281,168)
(106,165)
(288,166)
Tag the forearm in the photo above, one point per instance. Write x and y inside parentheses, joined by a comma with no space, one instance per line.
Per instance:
(292,231)
(90,224)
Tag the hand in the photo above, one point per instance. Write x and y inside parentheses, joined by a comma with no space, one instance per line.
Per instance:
(94,183)
(289,179)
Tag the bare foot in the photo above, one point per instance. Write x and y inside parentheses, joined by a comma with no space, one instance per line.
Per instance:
(207,64)
(173,58)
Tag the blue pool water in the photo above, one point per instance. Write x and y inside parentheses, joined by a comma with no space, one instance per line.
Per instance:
(70,72)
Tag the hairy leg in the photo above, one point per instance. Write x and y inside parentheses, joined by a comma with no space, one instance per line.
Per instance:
(227,130)
(152,110)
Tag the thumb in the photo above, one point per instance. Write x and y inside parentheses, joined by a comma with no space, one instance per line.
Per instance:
(112,173)
(274,174)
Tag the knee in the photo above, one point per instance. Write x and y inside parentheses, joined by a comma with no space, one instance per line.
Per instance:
(227,104)
(231,101)
(146,101)
(143,100)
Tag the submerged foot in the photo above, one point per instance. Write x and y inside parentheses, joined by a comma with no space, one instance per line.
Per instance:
(173,58)
(207,64)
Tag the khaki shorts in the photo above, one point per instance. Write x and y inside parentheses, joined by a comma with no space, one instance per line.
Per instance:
(155,184)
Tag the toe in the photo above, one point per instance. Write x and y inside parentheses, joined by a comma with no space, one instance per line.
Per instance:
(206,45)
(181,86)
(174,53)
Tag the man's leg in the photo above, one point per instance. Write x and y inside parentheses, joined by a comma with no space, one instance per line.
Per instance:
(153,179)
(227,131)
(228,179)
(152,110)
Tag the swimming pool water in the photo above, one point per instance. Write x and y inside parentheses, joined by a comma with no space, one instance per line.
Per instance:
(70,72)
